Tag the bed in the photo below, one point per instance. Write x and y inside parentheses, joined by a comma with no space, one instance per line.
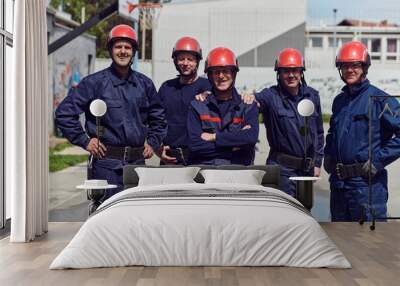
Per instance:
(201,224)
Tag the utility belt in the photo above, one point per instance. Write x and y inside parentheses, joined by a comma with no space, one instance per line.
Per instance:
(349,171)
(126,153)
(181,154)
(119,153)
(294,162)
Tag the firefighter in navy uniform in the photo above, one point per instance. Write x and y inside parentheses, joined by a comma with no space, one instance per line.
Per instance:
(222,129)
(347,143)
(176,95)
(284,124)
(134,113)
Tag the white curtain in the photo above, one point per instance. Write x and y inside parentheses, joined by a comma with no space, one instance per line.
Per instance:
(26,124)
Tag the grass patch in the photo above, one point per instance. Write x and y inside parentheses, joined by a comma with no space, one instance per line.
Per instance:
(61,146)
(60,162)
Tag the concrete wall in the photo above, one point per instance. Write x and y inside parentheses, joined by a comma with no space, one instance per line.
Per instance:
(265,54)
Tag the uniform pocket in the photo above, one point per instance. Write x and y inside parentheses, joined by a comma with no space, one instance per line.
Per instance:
(112,104)
(282,112)
(111,100)
(360,125)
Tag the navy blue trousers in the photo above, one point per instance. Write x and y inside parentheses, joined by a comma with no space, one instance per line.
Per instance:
(286,185)
(112,171)
(349,201)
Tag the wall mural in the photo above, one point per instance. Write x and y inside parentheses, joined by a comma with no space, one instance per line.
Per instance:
(66,75)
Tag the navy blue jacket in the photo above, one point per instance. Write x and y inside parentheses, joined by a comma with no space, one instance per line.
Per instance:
(134,111)
(176,98)
(283,122)
(347,139)
(232,143)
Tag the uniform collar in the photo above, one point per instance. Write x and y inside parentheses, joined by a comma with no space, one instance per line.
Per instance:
(178,78)
(236,98)
(355,90)
(116,80)
(287,96)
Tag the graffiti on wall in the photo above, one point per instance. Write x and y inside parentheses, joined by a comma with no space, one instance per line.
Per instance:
(327,82)
(66,76)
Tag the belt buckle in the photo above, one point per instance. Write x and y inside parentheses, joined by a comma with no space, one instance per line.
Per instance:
(308,163)
(126,150)
(339,171)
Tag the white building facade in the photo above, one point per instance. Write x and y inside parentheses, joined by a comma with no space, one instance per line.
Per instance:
(255,30)
(383,43)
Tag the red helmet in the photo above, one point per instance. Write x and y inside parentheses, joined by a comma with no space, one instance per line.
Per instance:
(122,32)
(221,57)
(289,58)
(353,51)
(187,44)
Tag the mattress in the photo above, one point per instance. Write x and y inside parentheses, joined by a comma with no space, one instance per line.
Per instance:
(201,225)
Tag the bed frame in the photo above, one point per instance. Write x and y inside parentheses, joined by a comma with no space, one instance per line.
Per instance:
(270,179)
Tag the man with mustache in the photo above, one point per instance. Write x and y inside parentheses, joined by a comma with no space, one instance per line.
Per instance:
(134,113)
(285,126)
(347,142)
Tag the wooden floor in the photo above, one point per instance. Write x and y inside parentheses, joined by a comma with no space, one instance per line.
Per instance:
(374,255)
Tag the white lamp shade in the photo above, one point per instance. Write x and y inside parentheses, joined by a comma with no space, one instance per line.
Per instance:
(305,107)
(98,107)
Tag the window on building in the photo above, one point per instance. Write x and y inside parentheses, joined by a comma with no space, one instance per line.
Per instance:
(391,45)
(375,45)
(316,42)
(344,40)
(90,59)
(331,42)
(391,49)
(365,41)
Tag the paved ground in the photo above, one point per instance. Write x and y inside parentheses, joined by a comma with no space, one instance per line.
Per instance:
(69,204)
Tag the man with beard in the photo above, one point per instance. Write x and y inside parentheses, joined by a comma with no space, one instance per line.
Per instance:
(134,113)
(347,143)
(176,95)
(222,129)
(285,126)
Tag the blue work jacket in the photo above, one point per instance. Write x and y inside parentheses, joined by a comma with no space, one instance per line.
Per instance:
(347,141)
(176,98)
(283,122)
(233,144)
(134,111)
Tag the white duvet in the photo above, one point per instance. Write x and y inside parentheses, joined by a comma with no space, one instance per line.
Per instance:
(222,225)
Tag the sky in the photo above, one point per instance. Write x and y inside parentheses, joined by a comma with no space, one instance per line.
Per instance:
(321,11)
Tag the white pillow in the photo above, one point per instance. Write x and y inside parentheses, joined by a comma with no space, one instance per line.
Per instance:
(166,176)
(248,177)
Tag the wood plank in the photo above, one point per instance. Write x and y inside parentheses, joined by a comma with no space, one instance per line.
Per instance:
(374,255)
